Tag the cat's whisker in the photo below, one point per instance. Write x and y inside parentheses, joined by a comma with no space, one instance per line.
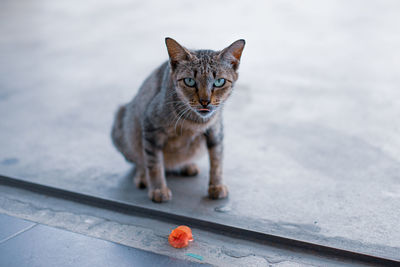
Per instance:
(185,116)
(176,112)
(188,113)
(187,109)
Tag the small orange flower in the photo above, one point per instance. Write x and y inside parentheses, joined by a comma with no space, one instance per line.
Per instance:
(187,230)
(180,237)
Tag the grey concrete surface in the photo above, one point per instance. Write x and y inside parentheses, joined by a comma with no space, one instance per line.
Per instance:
(11,226)
(47,246)
(312,130)
(151,235)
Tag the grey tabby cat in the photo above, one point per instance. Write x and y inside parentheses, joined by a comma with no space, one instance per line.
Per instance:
(177,116)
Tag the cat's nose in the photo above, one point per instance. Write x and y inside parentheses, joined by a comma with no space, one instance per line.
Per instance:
(204,102)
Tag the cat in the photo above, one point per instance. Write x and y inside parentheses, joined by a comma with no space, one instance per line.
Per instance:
(176,116)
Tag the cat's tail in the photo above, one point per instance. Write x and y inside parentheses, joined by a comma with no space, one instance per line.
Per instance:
(117,132)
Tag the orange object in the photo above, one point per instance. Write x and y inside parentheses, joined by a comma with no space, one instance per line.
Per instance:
(180,237)
(187,230)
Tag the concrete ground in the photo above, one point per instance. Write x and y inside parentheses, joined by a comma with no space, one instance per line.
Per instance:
(24,243)
(139,232)
(312,129)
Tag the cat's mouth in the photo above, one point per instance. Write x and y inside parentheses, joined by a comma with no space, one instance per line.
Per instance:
(204,111)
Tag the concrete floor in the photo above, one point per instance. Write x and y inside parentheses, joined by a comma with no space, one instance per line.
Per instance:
(312,130)
(23,243)
(148,234)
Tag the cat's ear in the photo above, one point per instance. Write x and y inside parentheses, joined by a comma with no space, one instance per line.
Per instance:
(233,53)
(176,52)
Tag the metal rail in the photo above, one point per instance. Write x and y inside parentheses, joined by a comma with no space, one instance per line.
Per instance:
(237,232)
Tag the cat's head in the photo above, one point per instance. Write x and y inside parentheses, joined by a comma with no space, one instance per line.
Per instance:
(204,79)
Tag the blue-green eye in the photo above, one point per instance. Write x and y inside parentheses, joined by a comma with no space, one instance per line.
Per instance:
(189,82)
(219,82)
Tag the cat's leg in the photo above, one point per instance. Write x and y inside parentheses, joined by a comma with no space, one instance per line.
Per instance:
(190,169)
(216,188)
(140,177)
(153,142)
(214,137)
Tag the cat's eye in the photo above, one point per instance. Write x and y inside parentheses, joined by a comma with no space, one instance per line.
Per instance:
(189,82)
(219,82)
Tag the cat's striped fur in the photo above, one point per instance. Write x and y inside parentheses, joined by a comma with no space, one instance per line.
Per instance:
(163,129)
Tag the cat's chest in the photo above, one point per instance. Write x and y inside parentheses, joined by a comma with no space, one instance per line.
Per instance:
(183,139)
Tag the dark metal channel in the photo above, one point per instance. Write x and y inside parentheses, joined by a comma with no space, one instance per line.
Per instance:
(129,208)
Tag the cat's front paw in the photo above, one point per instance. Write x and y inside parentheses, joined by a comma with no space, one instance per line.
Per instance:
(217,191)
(159,195)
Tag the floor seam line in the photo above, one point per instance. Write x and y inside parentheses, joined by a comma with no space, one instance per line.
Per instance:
(18,233)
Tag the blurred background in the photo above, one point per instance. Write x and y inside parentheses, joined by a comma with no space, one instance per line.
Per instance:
(312,129)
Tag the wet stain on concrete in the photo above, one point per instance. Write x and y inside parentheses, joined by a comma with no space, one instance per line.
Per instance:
(223,209)
(303,227)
